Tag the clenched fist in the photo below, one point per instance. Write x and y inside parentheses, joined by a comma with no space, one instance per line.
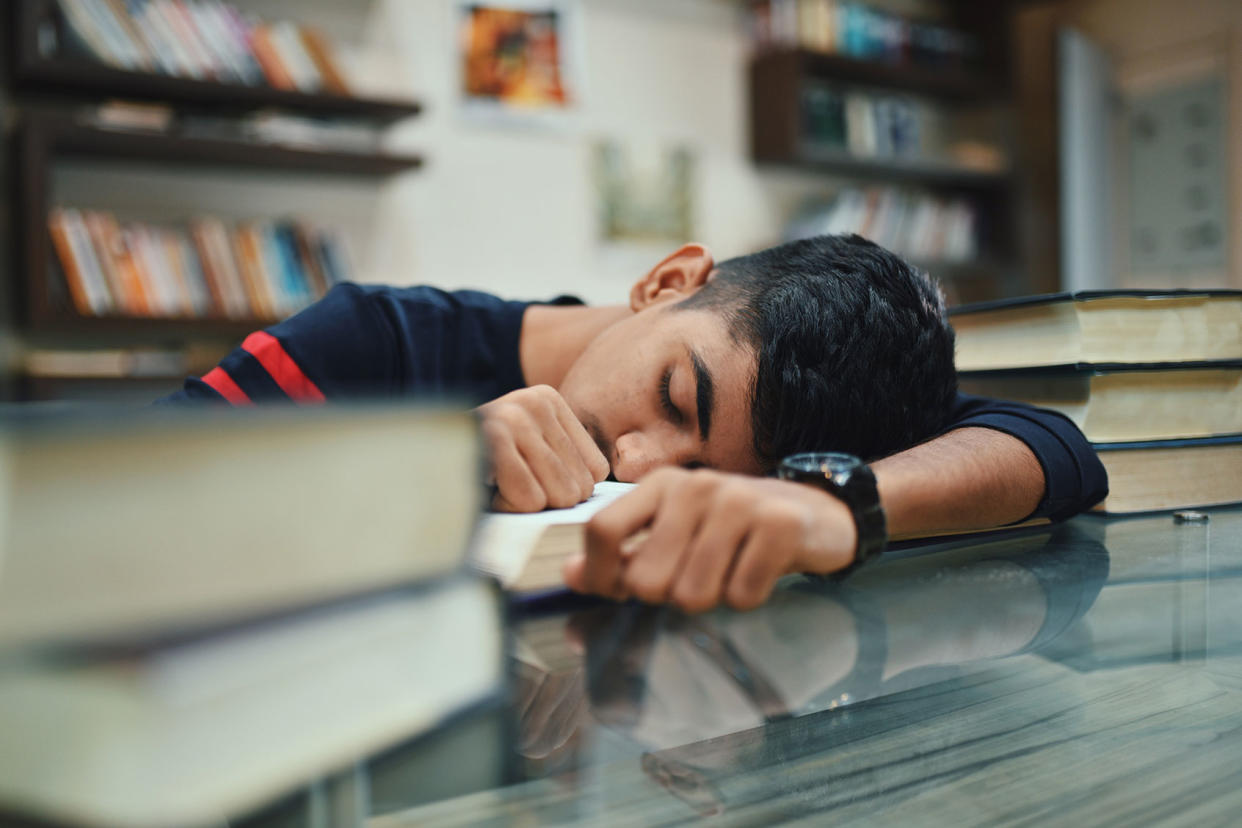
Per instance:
(711,538)
(540,455)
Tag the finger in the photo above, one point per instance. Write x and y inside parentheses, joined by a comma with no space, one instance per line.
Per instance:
(759,564)
(655,565)
(593,459)
(599,568)
(711,554)
(556,422)
(558,483)
(517,488)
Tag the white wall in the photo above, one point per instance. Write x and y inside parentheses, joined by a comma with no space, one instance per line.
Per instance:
(510,208)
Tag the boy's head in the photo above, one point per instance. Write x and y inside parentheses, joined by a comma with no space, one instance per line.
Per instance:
(829,343)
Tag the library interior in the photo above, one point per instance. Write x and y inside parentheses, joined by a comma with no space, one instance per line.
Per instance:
(620,412)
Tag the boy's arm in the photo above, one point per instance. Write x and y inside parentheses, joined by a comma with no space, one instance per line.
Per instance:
(722,538)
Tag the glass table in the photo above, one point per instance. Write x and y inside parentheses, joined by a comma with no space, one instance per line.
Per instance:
(1085,673)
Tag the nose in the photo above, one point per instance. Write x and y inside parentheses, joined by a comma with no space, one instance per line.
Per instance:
(639,453)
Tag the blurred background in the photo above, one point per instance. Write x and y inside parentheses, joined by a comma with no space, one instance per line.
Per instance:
(179,173)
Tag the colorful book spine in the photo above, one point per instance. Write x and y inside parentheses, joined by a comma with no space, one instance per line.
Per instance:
(259,270)
(205,40)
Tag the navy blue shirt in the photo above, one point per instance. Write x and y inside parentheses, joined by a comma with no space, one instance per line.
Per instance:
(378,341)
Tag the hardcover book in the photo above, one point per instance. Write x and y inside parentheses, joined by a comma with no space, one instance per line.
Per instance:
(1112,403)
(1117,326)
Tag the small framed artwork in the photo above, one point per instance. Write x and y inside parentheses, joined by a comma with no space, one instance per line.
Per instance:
(644,192)
(517,60)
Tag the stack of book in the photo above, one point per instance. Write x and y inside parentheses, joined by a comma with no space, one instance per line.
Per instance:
(856,30)
(1153,379)
(921,227)
(199,614)
(258,270)
(204,40)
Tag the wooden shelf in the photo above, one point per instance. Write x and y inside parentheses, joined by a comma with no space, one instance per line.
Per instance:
(953,83)
(831,161)
(180,327)
(67,139)
(83,78)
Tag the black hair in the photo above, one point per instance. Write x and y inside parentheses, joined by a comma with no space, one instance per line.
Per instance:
(855,353)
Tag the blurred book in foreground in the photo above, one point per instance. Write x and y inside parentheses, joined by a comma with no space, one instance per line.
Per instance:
(155,522)
(204,730)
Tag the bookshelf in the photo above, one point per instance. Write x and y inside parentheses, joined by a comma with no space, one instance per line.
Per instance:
(810,72)
(52,84)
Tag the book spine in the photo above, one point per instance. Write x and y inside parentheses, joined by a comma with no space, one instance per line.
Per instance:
(288,42)
(304,239)
(125,50)
(153,14)
(75,281)
(194,40)
(158,280)
(274,69)
(238,300)
(136,292)
(250,258)
(144,59)
(213,41)
(212,270)
(241,30)
(152,38)
(321,52)
(92,271)
(205,303)
(96,228)
(279,280)
(85,27)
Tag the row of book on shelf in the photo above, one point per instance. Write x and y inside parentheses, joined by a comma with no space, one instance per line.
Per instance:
(253,270)
(1153,379)
(872,125)
(205,40)
(857,30)
(919,226)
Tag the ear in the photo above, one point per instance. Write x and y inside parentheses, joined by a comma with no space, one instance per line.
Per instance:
(678,276)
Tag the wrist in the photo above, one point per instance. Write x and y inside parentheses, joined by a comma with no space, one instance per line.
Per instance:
(852,484)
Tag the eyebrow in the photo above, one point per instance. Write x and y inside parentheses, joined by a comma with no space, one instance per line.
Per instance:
(704,394)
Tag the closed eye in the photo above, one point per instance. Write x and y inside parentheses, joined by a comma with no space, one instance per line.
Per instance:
(666,402)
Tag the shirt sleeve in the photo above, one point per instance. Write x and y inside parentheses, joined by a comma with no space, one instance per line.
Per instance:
(1074,478)
(343,345)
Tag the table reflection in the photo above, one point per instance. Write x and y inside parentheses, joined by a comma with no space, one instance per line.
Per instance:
(663,679)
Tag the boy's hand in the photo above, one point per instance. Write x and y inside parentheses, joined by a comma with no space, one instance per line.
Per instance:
(713,538)
(540,454)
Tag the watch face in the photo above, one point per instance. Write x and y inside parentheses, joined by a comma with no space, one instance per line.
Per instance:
(828,464)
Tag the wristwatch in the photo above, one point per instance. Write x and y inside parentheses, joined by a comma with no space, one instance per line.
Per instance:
(851,481)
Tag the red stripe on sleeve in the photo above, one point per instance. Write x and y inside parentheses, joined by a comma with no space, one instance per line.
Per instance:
(276,361)
(223,385)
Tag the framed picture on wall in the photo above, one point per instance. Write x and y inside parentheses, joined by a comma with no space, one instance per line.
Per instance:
(517,59)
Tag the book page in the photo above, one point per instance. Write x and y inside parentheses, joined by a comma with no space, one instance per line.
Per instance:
(503,542)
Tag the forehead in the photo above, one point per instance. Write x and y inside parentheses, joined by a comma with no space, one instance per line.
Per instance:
(703,337)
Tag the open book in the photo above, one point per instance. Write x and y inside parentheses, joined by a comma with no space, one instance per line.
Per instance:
(525,552)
